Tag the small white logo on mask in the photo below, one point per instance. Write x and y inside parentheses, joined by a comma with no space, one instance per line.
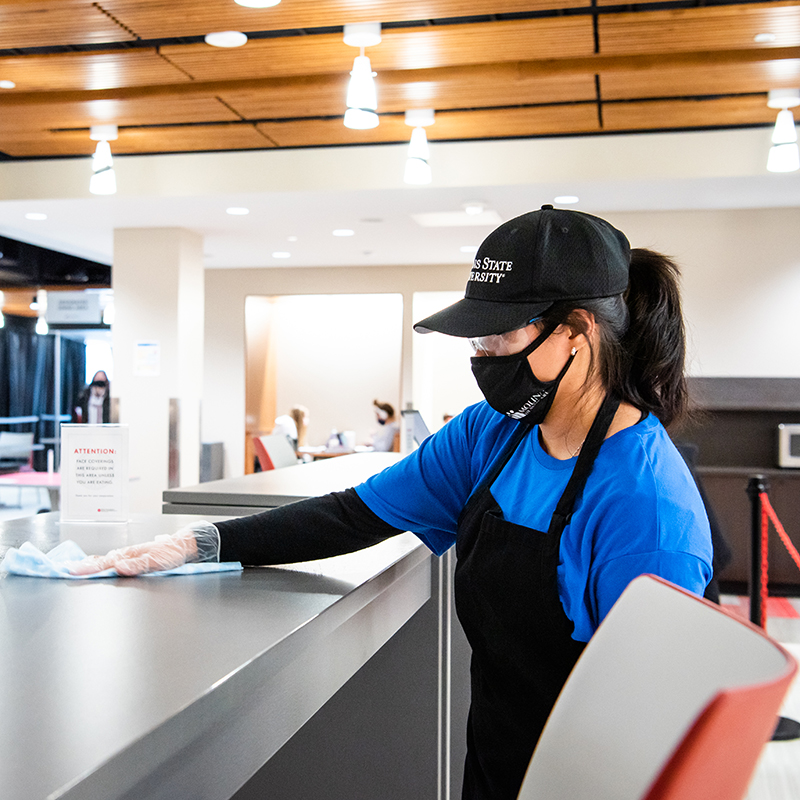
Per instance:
(525,410)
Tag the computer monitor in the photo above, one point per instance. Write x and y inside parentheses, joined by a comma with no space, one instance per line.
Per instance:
(415,425)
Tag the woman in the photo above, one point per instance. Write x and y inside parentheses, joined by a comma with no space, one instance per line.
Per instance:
(293,426)
(387,438)
(94,402)
(556,492)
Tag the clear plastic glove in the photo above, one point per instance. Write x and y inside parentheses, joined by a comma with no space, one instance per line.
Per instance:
(194,543)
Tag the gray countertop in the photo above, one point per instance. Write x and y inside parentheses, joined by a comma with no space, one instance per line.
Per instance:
(166,687)
(279,486)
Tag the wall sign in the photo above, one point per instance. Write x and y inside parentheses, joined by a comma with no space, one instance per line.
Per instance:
(94,473)
(147,359)
(73,308)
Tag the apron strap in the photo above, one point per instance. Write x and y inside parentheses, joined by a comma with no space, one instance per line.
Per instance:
(583,466)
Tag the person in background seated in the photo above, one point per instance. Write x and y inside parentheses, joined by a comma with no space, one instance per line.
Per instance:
(95,401)
(387,438)
(294,426)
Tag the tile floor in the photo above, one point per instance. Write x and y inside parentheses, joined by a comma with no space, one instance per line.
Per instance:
(778,774)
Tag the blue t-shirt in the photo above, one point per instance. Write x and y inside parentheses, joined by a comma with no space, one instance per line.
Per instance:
(640,511)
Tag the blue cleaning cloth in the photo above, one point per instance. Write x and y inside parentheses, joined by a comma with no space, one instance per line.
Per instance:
(29,560)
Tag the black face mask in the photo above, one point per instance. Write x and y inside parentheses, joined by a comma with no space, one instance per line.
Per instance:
(510,387)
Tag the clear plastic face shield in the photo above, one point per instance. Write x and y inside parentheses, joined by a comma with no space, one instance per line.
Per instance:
(505,344)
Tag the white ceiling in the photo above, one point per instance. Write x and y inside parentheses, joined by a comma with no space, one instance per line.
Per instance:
(308,193)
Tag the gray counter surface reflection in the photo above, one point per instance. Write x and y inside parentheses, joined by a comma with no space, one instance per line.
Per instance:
(178,687)
(252,493)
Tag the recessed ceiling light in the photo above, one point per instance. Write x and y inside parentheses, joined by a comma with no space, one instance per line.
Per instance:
(236,211)
(343,232)
(226,39)
(566,199)
(764,38)
(35,215)
(474,207)
(258,3)
(7,85)
(291,238)
(281,254)
(469,248)
(453,219)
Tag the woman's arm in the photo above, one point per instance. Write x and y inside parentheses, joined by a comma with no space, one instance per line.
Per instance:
(319,527)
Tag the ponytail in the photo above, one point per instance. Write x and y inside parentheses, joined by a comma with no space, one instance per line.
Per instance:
(642,345)
(654,345)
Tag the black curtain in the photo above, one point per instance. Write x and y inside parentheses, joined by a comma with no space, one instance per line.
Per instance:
(27,387)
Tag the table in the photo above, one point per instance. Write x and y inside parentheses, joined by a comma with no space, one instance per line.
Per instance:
(37,480)
(250,494)
(182,687)
(18,420)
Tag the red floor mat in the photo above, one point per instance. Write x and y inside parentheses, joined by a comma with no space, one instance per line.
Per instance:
(776,607)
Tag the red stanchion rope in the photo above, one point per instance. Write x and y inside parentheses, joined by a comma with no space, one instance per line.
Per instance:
(768,515)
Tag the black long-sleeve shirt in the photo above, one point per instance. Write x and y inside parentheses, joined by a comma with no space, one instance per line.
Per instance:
(319,527)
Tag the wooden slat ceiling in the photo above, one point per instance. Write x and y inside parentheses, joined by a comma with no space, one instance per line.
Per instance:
(490,69)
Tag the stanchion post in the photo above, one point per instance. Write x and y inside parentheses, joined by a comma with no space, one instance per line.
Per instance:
(786,727)
(755,486)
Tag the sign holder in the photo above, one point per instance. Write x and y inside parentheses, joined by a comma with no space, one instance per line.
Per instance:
(94,473)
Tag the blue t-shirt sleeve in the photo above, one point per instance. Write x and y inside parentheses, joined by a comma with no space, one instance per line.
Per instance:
(426,491)
(645,516)
(608,580)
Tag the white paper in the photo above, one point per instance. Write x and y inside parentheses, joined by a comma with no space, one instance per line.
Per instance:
(147,359)
(94,473)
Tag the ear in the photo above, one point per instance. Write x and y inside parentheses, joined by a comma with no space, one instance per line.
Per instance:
(582,326)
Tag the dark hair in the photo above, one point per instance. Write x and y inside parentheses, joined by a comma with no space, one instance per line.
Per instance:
(387,407)
(642,337)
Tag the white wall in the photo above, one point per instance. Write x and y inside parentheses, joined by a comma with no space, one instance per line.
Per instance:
(741,286)
(226,292)
(335,354)
(442,375)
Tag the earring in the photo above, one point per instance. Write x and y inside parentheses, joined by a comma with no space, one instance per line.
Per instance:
(574,351)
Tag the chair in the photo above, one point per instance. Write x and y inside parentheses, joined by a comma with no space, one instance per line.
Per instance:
(16,450)
(672,699)
(274,451)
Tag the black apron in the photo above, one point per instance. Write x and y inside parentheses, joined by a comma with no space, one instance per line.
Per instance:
(507,601)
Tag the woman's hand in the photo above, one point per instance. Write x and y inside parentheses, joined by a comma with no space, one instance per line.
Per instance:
(198,542)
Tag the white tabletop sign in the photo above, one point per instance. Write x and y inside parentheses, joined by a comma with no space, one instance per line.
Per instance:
(94,473)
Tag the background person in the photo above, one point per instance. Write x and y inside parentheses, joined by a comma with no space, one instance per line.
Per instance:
(294,426)
(94,402)
(387,438)
(556,491)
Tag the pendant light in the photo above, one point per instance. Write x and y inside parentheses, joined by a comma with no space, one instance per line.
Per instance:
(103,180)
(784,155)
(362,97)
(40,306)
(418,168)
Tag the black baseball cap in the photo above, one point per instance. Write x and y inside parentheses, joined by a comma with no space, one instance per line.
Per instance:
(531,262)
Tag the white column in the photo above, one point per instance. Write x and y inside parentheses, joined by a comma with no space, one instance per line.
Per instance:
(158,305)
